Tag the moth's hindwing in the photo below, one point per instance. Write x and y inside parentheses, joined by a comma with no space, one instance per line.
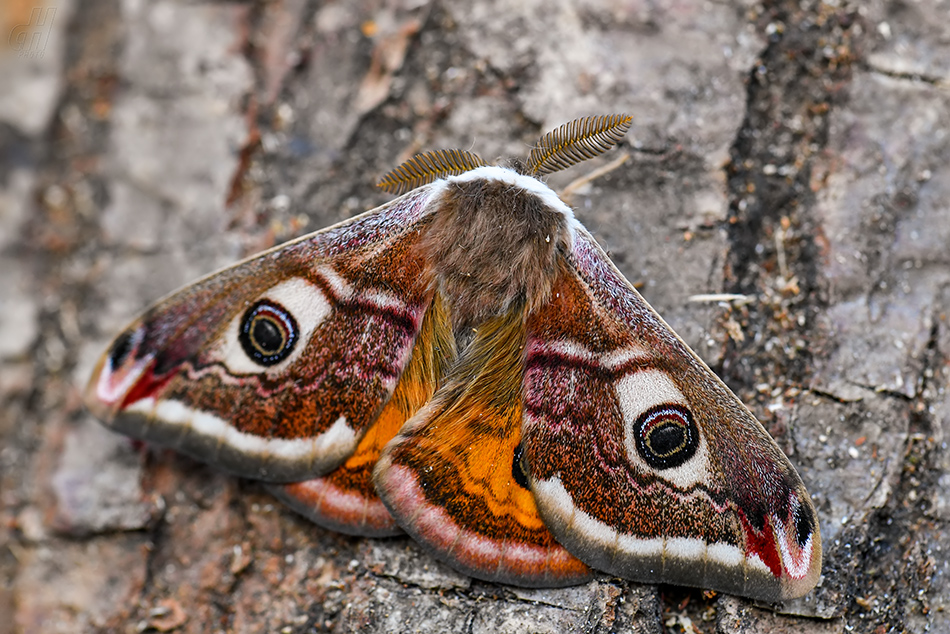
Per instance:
(274,368)
(345,499)
(642,462)
(453,477)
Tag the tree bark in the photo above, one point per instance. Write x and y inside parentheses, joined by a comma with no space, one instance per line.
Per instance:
(793,153)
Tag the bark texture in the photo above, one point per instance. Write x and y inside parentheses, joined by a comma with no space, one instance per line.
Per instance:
(794,152)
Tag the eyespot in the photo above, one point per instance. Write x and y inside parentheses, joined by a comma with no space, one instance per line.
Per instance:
(268,333)
(124,345)
(518,471)
(121,349)
(666,436)
(804,525)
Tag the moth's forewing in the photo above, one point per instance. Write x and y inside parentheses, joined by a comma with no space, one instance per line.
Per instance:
(643,463)
(275,368)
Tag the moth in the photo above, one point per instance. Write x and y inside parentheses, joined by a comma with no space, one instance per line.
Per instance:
(467,365)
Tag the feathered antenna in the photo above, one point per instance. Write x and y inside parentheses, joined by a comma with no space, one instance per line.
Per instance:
(577,141)
(424,168)
(560,148)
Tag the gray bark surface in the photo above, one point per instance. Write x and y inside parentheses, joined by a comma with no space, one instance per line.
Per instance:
(797,153)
